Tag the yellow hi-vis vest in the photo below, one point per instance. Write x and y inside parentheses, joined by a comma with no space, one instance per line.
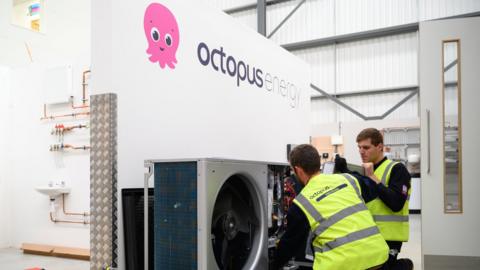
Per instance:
(392,225)
(343,234)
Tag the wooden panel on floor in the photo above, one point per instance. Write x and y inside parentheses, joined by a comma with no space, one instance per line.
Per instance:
(73,253)
(37,249)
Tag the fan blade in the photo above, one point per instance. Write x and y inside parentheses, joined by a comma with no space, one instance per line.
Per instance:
(222,206)
(244,213)
(224,257)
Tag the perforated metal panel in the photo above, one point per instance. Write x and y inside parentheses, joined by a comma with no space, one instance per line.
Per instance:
(103,181)
(176,216)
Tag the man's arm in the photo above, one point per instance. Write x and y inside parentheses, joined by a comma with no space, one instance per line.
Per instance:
(295,237)
(367,185)
(395,195)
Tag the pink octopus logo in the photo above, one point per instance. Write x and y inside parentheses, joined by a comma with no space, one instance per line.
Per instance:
(161,30)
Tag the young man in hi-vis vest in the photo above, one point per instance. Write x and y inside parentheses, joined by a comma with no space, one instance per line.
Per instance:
(329,219)
(390,209)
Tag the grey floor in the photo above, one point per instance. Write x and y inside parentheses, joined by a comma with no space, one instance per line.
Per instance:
(14,259)
(413,248)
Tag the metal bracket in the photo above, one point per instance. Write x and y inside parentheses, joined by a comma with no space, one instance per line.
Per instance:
(252,6)
(148,174)
(357,113)
(262,17)
(286,18)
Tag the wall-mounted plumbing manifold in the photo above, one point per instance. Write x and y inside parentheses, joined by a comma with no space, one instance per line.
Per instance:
(60,129)
(62,147)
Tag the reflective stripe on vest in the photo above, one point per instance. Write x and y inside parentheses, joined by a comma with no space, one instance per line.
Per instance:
(318,218)
(385,173)
(339,216)
(390,218)
(354,184)
(309,207)
(352,237)
(342,230)
(393,225)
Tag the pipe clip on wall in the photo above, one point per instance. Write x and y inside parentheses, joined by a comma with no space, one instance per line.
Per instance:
(62,147)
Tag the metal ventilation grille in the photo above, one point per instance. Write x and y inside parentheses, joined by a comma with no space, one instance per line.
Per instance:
(176,216)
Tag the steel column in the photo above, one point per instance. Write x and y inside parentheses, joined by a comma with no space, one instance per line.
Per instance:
(262,17)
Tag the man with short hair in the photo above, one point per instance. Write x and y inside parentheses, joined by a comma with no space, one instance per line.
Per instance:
(331,211)
(390,209)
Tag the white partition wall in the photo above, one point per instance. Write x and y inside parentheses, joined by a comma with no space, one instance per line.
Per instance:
(230,93)
(24,140)
(4,161)
(449,240)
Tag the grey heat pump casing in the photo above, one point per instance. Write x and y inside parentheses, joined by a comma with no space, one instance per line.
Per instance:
(185,196)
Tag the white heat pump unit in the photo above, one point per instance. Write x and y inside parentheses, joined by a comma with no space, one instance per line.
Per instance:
(216,214)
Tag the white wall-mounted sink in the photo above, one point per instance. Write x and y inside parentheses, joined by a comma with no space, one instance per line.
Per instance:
(53,191)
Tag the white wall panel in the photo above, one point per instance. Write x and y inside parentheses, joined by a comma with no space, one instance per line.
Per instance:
(376,105)
(248,17)
(433,9)
(377,63)
(323,111)
(223,93)
(67,41)
(5,160)
(408,110)
(314,19)
(322,63)
(227,4)
(360,15)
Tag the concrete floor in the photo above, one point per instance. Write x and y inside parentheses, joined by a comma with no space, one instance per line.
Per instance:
(14,259)
(413,248)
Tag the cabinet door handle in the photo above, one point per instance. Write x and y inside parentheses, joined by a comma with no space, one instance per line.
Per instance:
(428,141)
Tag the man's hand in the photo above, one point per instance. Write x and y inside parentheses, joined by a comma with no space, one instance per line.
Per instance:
(369,172)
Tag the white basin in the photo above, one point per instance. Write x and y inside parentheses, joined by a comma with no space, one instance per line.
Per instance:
(54,191)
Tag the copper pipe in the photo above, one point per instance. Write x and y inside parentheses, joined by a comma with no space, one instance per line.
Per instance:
(73,127)
(60,147)
(79,107)
(67,221)
(52,117)
(85,147)
(84,92)
(60,129)
(29,52)
(73,106)
(69,213)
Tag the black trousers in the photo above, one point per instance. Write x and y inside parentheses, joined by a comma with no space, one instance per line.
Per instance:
(395,247)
